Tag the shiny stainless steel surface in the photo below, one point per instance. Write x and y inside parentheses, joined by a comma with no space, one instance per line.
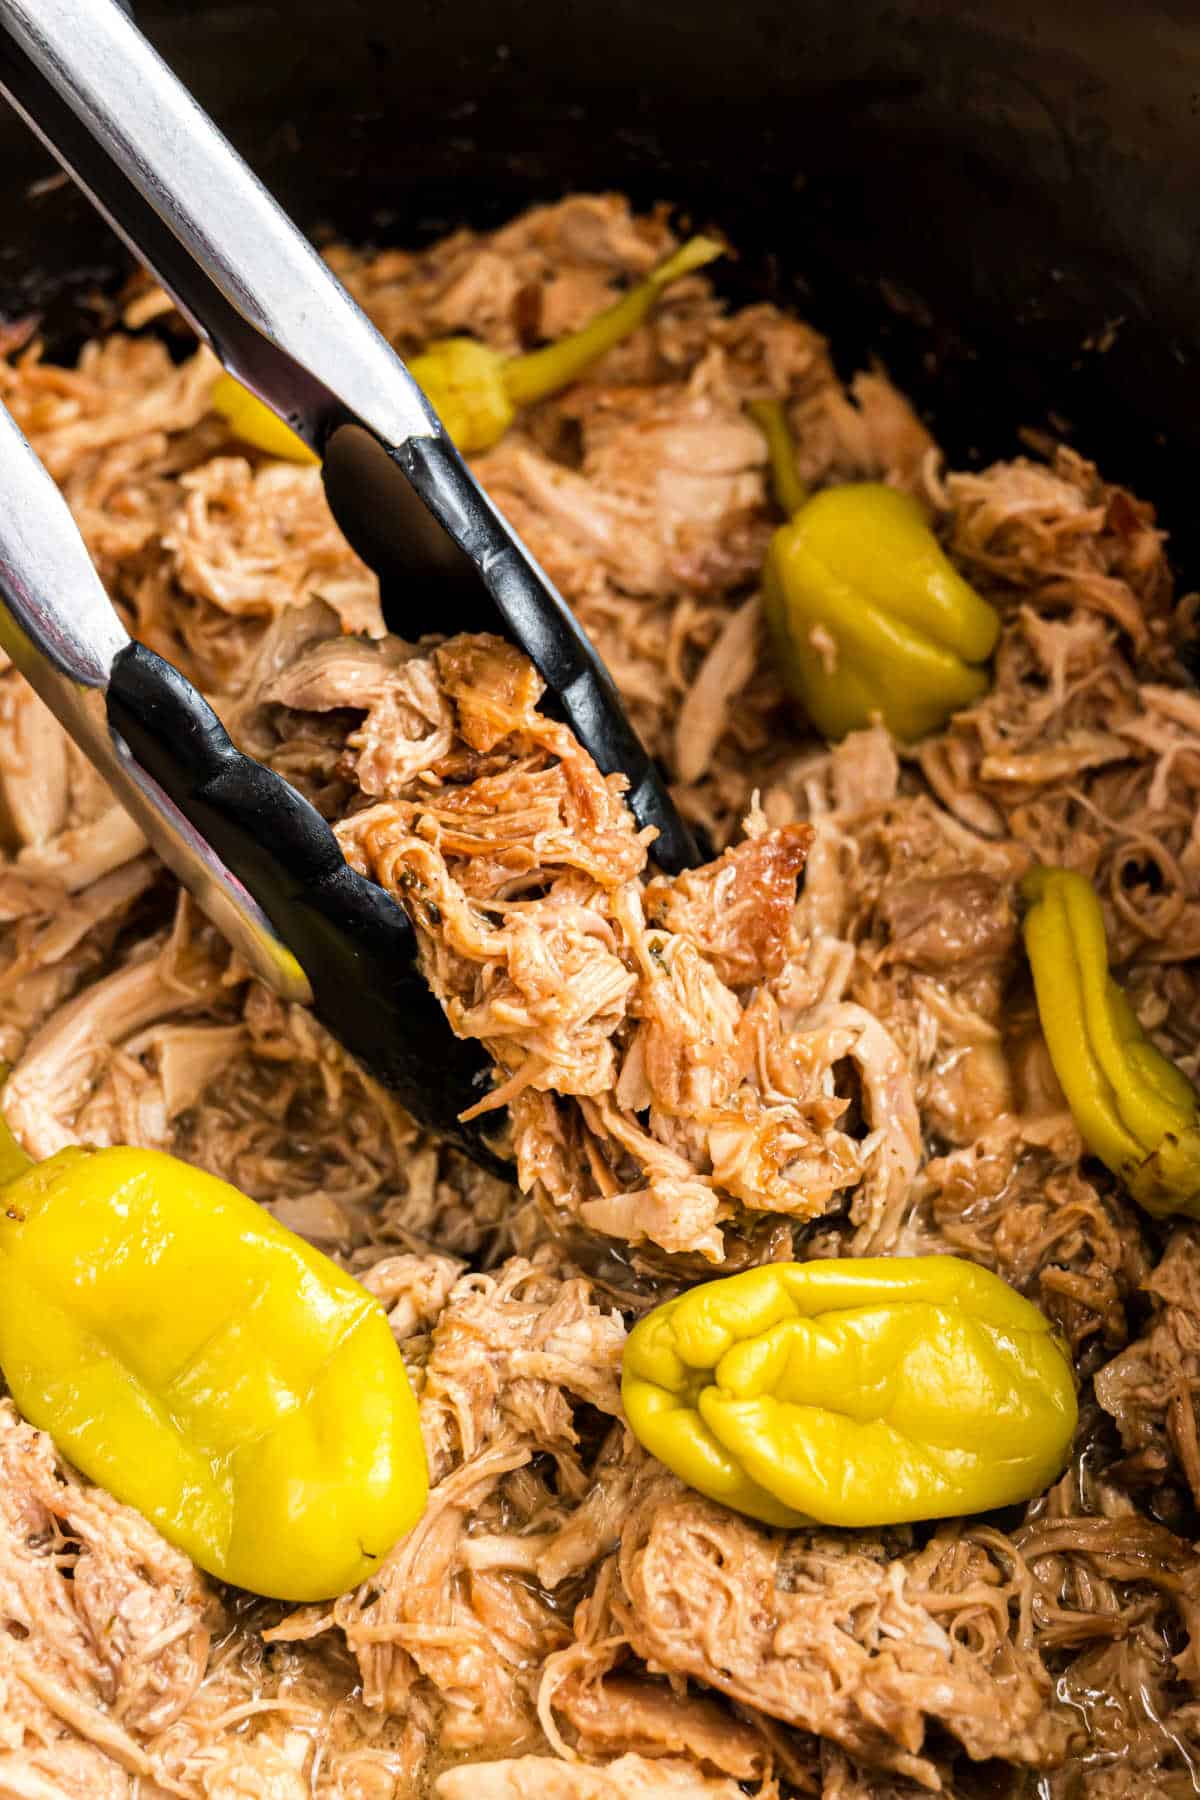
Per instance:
(57,624)
(284,311)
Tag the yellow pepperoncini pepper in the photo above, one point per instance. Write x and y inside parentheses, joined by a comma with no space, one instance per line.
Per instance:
(476,390)
(1135,1110)
(209,1368)
(856,1393)
(867,614)
(256,424)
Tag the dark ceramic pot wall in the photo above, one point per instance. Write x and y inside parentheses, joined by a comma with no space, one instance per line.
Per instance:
(999,199)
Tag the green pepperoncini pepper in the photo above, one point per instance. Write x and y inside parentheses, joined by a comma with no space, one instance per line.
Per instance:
(1135,1110)
(853,1393)
(475,390)
(868,616)
(209,1368)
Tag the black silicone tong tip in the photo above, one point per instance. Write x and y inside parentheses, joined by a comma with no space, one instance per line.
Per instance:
(448,562)
(355,944)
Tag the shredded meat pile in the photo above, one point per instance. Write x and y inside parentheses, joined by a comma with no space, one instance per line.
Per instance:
(822,1043)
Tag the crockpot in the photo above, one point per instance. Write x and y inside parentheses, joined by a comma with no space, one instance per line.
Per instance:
(997,200)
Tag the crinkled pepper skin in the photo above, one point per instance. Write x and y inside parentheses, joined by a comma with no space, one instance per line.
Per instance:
(209,1368)
(868,615)
(1135,1110)
(853,1393)
(466,386)
(476,390)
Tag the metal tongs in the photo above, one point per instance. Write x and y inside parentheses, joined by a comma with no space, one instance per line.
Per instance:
(259,859)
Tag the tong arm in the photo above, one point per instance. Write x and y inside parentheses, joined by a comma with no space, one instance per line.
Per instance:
(260,860)
(104,102)
(59,627)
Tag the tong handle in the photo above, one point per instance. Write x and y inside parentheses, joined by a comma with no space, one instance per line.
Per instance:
(171,185)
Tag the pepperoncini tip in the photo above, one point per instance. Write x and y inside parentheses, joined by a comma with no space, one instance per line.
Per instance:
(540,373)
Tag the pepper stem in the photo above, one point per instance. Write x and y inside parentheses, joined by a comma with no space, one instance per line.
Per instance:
(542,372)
(771,419)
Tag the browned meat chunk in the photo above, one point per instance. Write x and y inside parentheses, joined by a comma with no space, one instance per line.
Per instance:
(738,910)
(963,922)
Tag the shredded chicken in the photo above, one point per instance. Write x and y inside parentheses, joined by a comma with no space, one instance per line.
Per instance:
(630,1777)
(822,1042)
(839,1639)
(1152,1388)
